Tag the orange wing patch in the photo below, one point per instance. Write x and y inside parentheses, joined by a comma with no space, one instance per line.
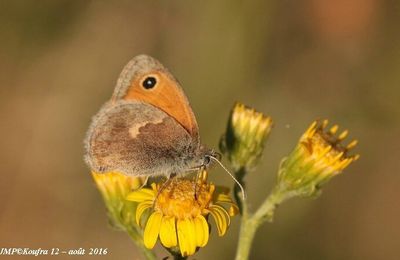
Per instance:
(167,96)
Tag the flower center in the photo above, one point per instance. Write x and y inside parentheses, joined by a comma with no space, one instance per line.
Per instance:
(178,199)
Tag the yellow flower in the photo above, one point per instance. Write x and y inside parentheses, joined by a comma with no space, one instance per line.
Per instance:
(114,188)
(179,215)
(245,136)
(318,156)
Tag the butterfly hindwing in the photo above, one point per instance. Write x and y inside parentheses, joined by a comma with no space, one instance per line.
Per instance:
(137,139)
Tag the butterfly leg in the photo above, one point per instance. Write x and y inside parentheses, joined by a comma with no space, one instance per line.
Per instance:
(165,184)
(144,183)
(195,186)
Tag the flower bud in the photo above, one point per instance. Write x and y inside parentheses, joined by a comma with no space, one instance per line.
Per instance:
(243,142)
(114,188)
(318,156)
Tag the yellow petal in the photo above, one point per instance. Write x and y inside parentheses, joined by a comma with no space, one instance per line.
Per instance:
(352,144)
(186,237)
(152,229)
(168,232)
(223,211)
(202,231)
(233,210)
(141,208)
(220,219)
(141,195)
(224,198)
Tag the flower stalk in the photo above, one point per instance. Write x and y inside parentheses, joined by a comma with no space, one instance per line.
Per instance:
(252,221)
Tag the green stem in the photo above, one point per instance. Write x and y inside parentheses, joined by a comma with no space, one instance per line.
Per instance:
(267,209)
(148,254)
(239,174)
(251,222)
(246,235)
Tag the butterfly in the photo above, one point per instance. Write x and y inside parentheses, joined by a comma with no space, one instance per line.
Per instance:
(147,128)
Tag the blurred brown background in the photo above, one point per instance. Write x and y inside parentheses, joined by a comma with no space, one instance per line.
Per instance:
(294,60)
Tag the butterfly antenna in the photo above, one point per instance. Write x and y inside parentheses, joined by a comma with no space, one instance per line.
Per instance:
(233,177)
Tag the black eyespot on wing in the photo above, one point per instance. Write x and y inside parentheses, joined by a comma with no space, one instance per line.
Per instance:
(149,82)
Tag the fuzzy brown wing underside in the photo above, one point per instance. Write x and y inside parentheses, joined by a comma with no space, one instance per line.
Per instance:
(137,139)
